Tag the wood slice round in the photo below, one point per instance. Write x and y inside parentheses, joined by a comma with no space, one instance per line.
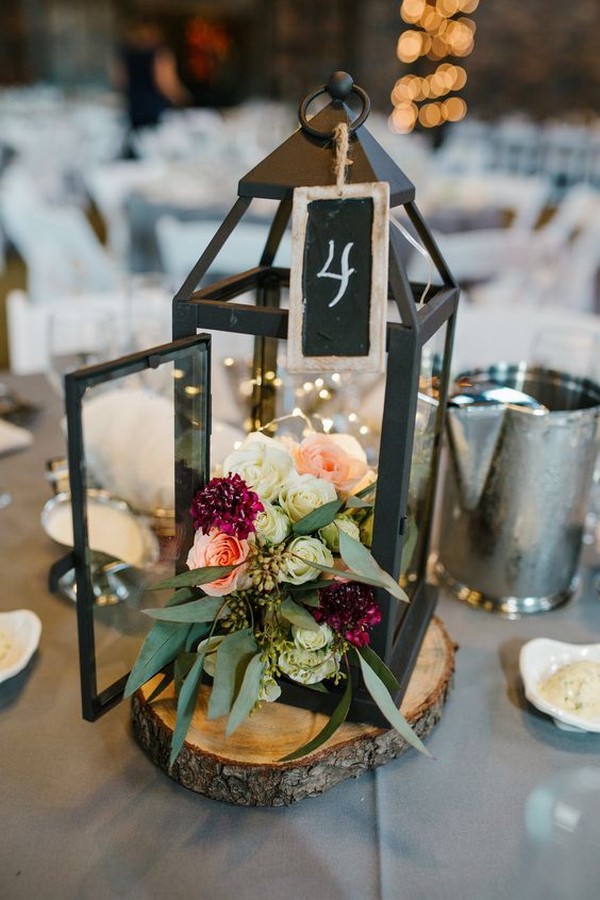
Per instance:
(243,768)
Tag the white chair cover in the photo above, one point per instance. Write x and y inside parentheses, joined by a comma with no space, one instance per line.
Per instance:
(60,249)
(181,243)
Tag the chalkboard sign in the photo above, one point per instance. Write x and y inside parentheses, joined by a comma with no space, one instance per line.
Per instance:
(338,278)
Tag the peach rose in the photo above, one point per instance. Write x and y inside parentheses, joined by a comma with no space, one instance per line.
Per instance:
(219,549)
(337,458)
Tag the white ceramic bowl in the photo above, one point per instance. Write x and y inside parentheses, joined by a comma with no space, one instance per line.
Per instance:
(539,659)
(20,632)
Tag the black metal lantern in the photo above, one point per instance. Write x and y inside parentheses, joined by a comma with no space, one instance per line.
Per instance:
(414,357)
(418,346)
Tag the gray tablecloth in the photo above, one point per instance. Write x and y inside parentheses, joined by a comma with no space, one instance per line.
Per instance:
(86,815)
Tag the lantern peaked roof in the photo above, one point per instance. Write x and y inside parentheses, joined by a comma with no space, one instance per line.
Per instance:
(304,161)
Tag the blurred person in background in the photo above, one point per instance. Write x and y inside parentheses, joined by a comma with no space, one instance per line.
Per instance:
(146,73)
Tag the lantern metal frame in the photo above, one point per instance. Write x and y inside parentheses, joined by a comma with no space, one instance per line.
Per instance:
(305,159)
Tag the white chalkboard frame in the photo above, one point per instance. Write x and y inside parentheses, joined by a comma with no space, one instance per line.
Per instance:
(374,361)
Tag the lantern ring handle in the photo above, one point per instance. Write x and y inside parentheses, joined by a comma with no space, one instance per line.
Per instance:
(338,93)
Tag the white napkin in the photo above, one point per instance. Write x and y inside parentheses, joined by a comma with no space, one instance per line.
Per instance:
(13,437)
(129,446)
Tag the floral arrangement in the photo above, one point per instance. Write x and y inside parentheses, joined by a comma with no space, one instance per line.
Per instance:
(280,585)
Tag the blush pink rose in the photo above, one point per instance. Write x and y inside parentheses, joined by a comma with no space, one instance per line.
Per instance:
(337,458)
(220,549)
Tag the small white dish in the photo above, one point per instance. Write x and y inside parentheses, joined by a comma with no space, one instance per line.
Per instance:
(20,632)
(539,659)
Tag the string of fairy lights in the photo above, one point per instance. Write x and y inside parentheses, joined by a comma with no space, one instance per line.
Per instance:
(437,31)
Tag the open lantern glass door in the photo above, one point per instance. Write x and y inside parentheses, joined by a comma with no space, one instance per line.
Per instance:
(138,432)
(396,415)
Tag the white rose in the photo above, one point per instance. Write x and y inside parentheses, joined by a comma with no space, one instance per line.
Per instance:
(308,666)
(262,463)
(272,524)
(301,494)
(313,551)
(330,534)
(307,639)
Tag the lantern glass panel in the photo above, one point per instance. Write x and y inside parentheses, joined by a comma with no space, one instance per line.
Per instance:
(136,426)
(423,462)
(334,402)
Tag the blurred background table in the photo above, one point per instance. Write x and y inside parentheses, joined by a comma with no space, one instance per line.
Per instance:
(86,815)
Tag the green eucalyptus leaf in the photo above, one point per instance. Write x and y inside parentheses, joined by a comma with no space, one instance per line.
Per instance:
(310,598)
(360,561)
(247,695)
(194,577)
(233,656)
(182,596)
(350,575)
(356,502)
(298,616)
(308,586)
(186,705)
(197,632)
(203,610)
(161,645)
(338,717)
(318,518)
(369,489)
(183,664)
(380,669)
(386,704)
(356,556)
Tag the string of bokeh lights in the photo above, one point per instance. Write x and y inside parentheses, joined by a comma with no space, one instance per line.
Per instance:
(441,29)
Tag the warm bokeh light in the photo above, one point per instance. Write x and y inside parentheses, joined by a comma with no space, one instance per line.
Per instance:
(431,19)
(440,29)
(412,10)
(468,6)
(403,118)
(459,36)
(448,8)
(430,115)
(454,109)
(410,46)
(460,78)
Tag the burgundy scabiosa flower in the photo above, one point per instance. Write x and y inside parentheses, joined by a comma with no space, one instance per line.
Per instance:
(350,609)
(226,504)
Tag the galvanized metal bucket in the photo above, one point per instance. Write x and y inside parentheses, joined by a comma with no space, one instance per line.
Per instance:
(522,445)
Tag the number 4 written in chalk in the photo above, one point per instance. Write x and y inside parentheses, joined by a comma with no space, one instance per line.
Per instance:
(346,271)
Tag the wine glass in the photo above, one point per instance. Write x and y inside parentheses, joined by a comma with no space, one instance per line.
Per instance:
(78,335)
(148,298)
(575,351)
(149,323)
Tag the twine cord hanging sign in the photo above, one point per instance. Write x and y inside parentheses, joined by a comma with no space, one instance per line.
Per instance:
(341,139)
(338,274)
